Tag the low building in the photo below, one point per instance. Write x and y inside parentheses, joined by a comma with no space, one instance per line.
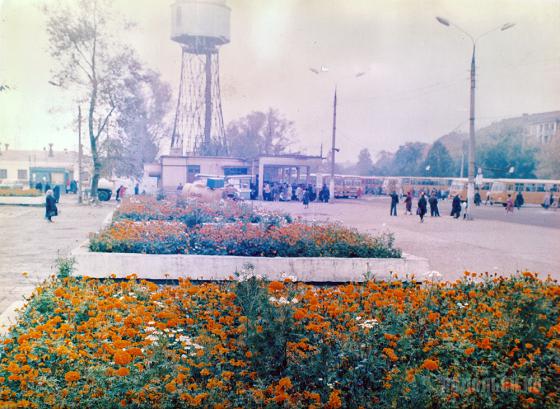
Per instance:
(172,170)
(26,168)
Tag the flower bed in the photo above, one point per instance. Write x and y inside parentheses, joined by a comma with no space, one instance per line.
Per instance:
(196,212)
(241,239)
(253,344)
(20,193)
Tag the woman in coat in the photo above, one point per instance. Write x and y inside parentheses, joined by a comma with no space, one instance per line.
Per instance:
(408,202)
(50,206)
(456,207)
(422,207)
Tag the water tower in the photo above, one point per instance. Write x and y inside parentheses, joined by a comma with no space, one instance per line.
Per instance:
(200,27)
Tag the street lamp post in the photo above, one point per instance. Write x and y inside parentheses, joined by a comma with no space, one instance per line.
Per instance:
(470,185)
(334,149)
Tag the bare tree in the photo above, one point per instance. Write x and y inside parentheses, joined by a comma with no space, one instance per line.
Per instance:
(91,61)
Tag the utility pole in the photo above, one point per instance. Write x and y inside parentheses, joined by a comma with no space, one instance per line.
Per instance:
(333,149)
(470,185)
(79,154)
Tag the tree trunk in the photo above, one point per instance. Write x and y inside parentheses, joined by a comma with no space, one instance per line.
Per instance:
(93,142)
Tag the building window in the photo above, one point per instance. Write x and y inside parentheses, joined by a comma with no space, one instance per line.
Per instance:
(22,174)
(192,171)
(3,173)
(235,171)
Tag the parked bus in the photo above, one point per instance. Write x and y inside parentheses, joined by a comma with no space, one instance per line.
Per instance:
(372,185)
(426,184)
(459,186)
(344,185)
(534,191)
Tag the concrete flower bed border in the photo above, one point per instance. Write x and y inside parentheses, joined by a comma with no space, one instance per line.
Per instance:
(22,201)
(217,268)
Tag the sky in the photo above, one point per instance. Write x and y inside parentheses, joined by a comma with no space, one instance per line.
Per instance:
(415,87)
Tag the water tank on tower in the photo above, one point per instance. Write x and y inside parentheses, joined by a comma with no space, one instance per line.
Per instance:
(200,27)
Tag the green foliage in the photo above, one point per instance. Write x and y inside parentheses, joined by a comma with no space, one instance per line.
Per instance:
(509,151)
(365,164)
(65,266)
(439,160)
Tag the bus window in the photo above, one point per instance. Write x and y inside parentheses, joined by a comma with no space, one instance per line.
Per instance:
(519,187)
(498,187)
(540,187)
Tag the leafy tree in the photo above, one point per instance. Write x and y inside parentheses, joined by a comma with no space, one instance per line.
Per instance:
(92,62)
(496,160)
(549,165)
(141,125)
(259,133)
(365,164)
(409,158)
(384,165)
(439,160)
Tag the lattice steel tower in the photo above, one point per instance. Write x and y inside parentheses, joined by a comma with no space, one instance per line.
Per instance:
(200,27)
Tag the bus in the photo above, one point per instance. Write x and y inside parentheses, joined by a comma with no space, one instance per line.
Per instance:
(417,184)
(534,191)
(372,185)
(459,187)
(344,185)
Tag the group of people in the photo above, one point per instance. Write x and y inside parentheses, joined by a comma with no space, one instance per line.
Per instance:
(284,192)
(422,206)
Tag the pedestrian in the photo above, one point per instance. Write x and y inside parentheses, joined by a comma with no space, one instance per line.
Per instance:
(266,193)
(74,187)
(488,199)
(477,199)
(464,206)
(394,202)
(67,186)
(50,206)
(56,193)
(519,200)
(422,207)
(509,205)
(306,198)
(324,194)
(179,188)
(136,189)
(299,193)
(434,211)
(456,207)
(408,203)
(39,186)
(120,193)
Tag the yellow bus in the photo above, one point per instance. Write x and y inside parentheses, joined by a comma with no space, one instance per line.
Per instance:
(426,184)
(534,191)
(344,185)
(459,187)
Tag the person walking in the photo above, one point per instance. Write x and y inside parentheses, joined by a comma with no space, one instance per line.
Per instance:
(50,206)
(456,207)
(519,200)
(56,193)
(477,198)
(394,202)
(422,207)
(136,189)
(509,205)
(434,211)
(408,203)
(306,198)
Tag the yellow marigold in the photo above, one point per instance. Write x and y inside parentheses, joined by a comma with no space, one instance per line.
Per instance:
(122,371)
(122,357)
(430,365)
(71,376)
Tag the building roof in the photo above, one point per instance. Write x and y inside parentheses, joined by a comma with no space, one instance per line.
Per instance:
(38,156)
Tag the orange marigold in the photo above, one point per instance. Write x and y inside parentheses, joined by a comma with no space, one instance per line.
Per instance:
(122,371)
(276,286)
(122,357)
(334,400)
(469,351)
(71,376)
(430,365)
